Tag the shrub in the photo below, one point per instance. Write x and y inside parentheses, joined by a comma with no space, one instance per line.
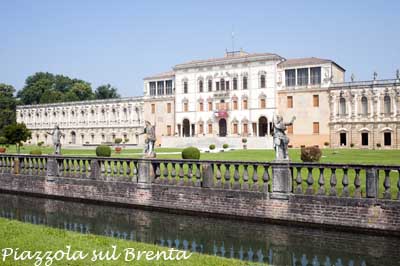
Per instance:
(225,146)
(351,145)
(40,143)
(36,152)
(117,140)
(326,143)
(126,140)
(103,151)
(311,154)
(211,147)
(378,145)
(191,153)
(244,140)
(3,140)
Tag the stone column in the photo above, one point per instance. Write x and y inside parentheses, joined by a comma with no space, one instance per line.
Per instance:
(372,186)
(208,175)
(281,179)
(52,168)
(146,172)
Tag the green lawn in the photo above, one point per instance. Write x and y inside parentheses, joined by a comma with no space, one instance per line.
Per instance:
(15,234)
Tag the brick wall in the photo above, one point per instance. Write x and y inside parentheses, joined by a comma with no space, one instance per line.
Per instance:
(364,214)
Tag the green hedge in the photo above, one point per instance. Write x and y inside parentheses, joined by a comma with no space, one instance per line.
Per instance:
(103,151)
(191,153)
(211,147)
(35,152)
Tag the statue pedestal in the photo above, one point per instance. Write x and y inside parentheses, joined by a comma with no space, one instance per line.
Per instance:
(150,156)
(281,179)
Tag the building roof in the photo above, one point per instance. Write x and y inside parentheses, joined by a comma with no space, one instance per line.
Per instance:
(230,57)
(167,74)
(306,61)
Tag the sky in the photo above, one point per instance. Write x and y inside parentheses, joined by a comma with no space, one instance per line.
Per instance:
(121,42)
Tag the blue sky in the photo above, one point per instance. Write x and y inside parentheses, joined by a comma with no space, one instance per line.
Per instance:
(120,42)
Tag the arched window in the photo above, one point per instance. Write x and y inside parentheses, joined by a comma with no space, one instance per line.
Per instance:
(200,86)
(342,106)
(245,83)
(364,105)
(235,87)
(209,85)
(222,83)
(185,86)
(386,104)
(262,81)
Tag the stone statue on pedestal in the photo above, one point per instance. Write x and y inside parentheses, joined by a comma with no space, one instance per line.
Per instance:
(56,139)
(150,141)
(281,141)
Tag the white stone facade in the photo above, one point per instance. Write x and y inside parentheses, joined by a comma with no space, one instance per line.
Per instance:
(227,96)
(87,122)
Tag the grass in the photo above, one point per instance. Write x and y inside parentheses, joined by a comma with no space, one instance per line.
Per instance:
(15,234)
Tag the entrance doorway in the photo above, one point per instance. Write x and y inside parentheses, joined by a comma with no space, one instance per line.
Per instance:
(343,139)
(222,127)
(262,126)
(186,128)
(364,139)
(387,138)
(73,137)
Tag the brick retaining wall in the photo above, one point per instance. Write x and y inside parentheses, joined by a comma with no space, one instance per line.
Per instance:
(361,214)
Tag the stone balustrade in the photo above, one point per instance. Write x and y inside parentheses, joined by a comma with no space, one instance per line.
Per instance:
(276,178)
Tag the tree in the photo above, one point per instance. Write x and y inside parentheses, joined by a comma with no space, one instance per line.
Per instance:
(49,88)
(7,105)
(16,134)
(82,90)
(106,92)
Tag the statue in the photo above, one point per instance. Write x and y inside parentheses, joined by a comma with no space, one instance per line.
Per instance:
(150,141)
(56,139)
(398,73)
(352,77)
(281,141)
(375,75)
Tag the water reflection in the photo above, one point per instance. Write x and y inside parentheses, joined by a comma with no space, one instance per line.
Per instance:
(273,244)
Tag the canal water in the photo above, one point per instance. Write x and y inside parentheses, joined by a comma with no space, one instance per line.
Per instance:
(257,242)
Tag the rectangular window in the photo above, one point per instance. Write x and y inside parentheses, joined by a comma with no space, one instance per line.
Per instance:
(244,104)
(315,75)
(153,108)
(235,105)
(169,108)
(245,83)
(169,131)
(290,77)
(200,86)
(290,102)
(160,88)
(185,107)
(316,127)
(262,104)
(235,83)
(168,86)
(209,85)
(227,85)
(152,88)
(290,129)
(201,108)
(302,76)
(245,129)
(316,100)
(254,126)
(235,128)
(217,85)
(185,87)
(210,129)
(210,106)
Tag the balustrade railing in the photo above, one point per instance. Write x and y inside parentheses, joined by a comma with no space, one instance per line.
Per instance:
(316,179)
